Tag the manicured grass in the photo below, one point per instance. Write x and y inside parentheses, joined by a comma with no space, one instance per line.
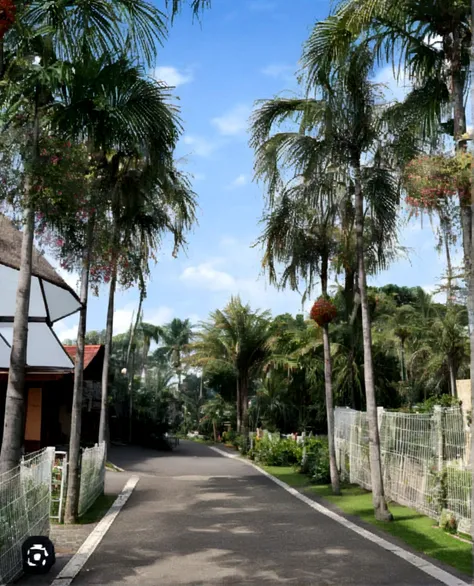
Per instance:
(288,475)
(416,530)
(98,509)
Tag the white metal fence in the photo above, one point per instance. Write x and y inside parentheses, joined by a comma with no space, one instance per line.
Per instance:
(425,458)
(92,476)
(25,496)
(58,486)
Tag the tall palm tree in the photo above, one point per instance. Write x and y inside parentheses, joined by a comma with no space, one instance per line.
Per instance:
(356,134)
(50,32)
(301,228)
(428,44)
(67,29)
(239,337)
(302,238)
(149,333)
(176,338)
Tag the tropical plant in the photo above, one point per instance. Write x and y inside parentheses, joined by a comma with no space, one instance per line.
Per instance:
(362,139)
(238,337)
(35,64)
(176,337)
(301,234)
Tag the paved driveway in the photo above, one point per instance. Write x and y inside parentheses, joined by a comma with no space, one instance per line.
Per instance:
(197,518)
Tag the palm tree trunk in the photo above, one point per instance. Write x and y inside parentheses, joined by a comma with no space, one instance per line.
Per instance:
(14,419)
(239,406)
(14,423)
(452,377)
(349,294)
(130,399)
(73,481)
(133,329)
(444,222)
(402,361)
(470,296)
(336,488)
(107,354)
(244,404)
(380,506)
(459,116)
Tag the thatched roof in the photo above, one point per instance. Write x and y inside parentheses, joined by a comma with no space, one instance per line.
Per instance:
(10,253)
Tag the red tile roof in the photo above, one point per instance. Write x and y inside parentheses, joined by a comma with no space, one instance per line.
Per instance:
(90,352)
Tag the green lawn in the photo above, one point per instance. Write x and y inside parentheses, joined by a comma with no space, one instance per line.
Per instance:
(409,526)
(98,509)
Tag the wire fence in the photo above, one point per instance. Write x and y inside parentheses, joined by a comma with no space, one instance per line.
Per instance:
(25,500)
(92,476)
(425,459)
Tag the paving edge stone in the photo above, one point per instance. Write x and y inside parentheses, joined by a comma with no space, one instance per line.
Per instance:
(75,565)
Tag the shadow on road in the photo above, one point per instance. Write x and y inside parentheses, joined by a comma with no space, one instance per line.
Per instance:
(199,519)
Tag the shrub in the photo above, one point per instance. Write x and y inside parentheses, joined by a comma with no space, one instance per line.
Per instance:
(229,437)
(277,452)
(448,522)
(316,461)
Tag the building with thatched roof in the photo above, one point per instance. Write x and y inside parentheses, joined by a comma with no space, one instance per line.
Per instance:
(51,299)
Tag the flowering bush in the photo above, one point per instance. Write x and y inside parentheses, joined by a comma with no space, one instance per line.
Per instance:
(430,180)
(323,311)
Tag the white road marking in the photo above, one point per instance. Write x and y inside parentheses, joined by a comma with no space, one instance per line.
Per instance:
(420,563)
(77,562)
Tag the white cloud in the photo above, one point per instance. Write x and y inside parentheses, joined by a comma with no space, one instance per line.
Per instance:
(156,316)
(238,272)
(172,76)
(206,276)
(233,122)
(239,181)
(279,71)
(394,89)
(65,333)
(200,146)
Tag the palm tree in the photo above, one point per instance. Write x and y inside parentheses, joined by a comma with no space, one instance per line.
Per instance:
(273,404)
(358,135)
(215,410)
(303,240)
(429,44)
(239,337)
(176,337)
(149,333)
(66,29)
(49,32)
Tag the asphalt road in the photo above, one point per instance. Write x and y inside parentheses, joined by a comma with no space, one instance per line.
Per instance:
(197,518)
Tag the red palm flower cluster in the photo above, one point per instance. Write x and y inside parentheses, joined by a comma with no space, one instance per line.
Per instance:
(7,16)
(323,311)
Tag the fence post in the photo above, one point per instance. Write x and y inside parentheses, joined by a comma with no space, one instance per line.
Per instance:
(380,412)
(438,419)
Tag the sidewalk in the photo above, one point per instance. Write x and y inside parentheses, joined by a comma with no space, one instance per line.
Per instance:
(67,539)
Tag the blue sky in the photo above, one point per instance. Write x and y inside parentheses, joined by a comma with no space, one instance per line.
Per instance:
(241,51)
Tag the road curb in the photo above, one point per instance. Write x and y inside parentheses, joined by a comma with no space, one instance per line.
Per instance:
(77,562)
(427,567)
